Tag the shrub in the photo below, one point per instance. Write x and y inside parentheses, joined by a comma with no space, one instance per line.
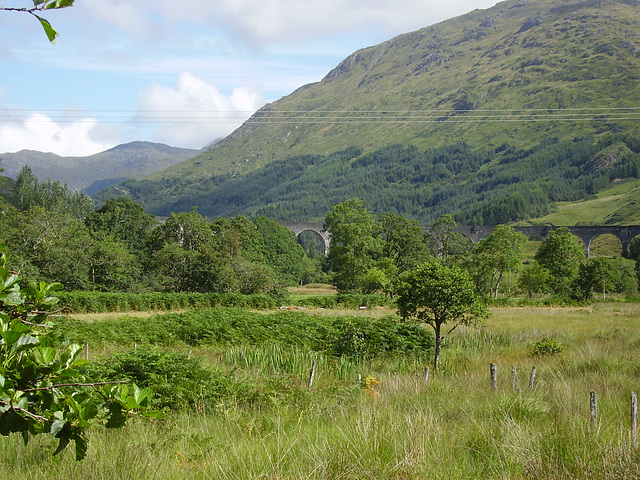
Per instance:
(546,346)
(178,382)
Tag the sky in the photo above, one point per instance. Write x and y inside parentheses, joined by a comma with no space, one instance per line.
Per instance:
(180,72)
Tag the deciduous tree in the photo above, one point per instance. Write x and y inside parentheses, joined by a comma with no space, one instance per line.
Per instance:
(405,241)
(497,254)
(355,244)
(437,294)
(561,255)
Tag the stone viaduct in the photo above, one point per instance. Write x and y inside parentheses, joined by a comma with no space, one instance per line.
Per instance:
(476,233)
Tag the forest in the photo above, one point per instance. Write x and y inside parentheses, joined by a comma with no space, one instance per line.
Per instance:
(58,235)
(477,186)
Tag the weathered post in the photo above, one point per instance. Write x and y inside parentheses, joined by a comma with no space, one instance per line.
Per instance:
(634,420)
(494,377)
(532,377)
(426,374)
(312,374)
(86,350)
(593,407)
(513,377)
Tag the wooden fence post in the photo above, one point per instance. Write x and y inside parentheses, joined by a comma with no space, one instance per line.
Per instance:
(426,374)
(86,350)
(532,378)
(513,377)
(313,373)
(593,408)
(494,377)
(634,420)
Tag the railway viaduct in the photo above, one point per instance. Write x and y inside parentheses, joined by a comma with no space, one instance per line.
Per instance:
(476,233)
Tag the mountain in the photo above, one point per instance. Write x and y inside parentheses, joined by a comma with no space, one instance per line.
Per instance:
(131,160)
(494,115)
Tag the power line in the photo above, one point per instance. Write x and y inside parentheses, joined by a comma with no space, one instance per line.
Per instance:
(326,116)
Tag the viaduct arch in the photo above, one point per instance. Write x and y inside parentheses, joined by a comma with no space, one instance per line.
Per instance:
(317,228)
(624,233)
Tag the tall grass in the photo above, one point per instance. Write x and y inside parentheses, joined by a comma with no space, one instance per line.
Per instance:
(452,427)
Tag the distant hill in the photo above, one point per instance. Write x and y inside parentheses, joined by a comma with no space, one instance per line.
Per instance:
(131,160)
(494,115)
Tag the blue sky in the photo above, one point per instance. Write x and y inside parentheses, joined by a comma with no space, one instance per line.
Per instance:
(180,72)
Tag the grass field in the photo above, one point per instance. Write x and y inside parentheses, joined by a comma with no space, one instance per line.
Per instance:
(608,207)
(451,426)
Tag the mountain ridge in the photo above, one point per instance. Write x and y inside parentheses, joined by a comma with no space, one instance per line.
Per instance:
(498,80)
(129,160)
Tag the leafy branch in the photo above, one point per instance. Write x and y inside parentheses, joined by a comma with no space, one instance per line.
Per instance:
(40,389)
(41,6)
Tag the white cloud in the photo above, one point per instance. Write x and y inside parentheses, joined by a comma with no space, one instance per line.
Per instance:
(194,112)
(133,18)
(39,132)
(260,23)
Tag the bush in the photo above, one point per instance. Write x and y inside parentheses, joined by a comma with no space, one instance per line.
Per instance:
(546,346)
(178,382)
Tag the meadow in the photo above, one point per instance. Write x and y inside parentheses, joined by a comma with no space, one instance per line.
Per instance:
(240,406)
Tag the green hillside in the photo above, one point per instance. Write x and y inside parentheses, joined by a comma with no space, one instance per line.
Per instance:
(499,85)
(613,206)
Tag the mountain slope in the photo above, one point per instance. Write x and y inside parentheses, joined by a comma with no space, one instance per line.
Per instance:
(131,160)
(494,80)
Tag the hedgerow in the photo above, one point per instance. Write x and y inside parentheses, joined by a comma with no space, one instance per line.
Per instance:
(99,302)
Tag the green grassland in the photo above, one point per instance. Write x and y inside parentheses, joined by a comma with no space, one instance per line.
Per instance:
(264,421)
(609,207)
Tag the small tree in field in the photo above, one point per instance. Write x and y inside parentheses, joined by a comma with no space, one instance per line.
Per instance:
(436,295)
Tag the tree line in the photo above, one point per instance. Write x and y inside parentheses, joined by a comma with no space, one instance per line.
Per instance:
(57,235)
(367,254)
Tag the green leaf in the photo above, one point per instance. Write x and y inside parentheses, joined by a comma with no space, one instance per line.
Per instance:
(10,337)
(60,4)
(44,355)
(48,29)
(64,441)
(141,396)
(116,418)
(89,411)
(24,343)
(11,422)
(81,447)
(57,426)
(11,298)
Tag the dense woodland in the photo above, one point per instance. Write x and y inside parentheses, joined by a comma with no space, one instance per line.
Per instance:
(478,186)
(55,234)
